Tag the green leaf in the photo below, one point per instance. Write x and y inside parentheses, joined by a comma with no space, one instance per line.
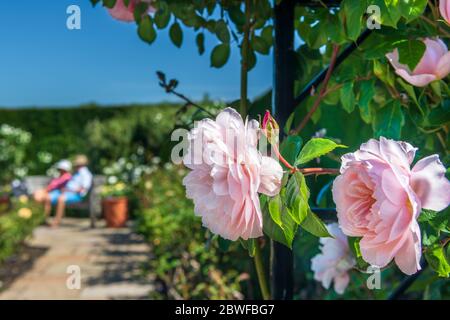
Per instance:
(314,36)
(250,245)
(140,11)
(290,147)
(146,31)
(176,34)
(109,3)
(94,2)
(439,115)
(222,32)
(366,94)
(389,12)
(275,207)
(237,16)
(429,235)
(315,148)
(267,35)
(297,196)
(220,55)
(441,221)
(353,244)
(162,16)
(315,226)
(283,233)
(432,224)
(200,41)
(383,72)
(353,11)
(412,9)
(288,125)
(224,244)
(427,215)
(347,97)
(410,91)
(437,260)
(410,52)
(260,45)
(389,120)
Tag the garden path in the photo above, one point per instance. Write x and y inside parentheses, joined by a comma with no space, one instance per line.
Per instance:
(109,261)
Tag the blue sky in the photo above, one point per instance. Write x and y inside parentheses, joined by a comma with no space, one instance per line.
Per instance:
(42,63)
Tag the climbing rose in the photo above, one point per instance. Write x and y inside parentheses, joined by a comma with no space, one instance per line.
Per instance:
(227,173)
(444,7)
(378,197)
(123,13)
(334,261)
(434,65)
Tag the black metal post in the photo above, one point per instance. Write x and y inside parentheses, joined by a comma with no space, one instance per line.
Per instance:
(283,104)
(407,282)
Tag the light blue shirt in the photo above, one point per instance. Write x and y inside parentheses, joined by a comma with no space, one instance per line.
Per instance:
(82,179)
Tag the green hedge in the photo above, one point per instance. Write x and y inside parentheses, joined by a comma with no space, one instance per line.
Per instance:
(63,132)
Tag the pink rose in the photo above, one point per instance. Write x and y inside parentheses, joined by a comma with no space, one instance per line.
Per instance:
(434,65)
(123,13)
(444,8)
(378,197)
(334,261)
(227,173)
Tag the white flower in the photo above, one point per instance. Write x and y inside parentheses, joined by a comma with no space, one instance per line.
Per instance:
(335,260)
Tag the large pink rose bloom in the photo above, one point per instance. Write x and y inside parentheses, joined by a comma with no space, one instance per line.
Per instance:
(227,173)
(379,197)
(124,13)
(434,65)
(444,8)
(334,261)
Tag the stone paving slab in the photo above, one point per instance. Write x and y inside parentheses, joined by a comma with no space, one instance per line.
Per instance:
(109,261)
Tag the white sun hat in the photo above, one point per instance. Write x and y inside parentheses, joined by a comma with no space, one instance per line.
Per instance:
(64,165)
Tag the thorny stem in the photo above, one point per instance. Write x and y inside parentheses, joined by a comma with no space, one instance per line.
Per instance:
(322,91)
(304,171)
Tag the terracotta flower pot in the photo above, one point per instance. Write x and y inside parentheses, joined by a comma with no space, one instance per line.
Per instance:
(115,211)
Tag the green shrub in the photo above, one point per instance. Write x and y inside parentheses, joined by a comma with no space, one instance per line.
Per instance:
(187,260)
(13,143)
(17,224)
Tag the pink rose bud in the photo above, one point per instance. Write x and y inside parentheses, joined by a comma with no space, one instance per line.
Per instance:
(124,13)
(379,198)
(266,119)
(444,8)
(334,261)
(270,128)
(227,173)
(434,65)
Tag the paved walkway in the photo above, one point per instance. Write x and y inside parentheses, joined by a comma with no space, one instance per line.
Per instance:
(109,262)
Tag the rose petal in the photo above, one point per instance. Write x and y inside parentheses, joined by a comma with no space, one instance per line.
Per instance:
(408,256)
(416,80)
(430,184)
(443,67)
(271,175)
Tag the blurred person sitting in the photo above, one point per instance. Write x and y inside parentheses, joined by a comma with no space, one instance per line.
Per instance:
(64,168)
(74,191)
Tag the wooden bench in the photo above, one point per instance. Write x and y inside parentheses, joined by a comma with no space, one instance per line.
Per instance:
(92,202)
